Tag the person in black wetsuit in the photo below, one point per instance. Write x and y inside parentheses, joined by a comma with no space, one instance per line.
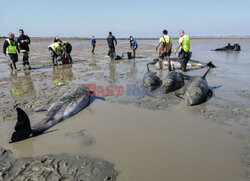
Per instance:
(67,50)
(23,43)
(110,40)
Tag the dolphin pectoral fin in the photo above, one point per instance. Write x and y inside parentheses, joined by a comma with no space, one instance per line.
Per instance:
(179,95)
(22,128)
(41,110)
(186,77)
(210,64)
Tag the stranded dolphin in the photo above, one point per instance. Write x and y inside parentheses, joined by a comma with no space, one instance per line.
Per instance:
(150,79)
(173,81)
(235,47)
(69,104)
(196,90)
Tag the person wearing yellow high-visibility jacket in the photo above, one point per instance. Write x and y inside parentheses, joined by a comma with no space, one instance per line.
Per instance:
(56,50)
(10,47)
(184,55)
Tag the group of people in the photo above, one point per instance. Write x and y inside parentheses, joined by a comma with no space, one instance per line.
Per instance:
(60,50)
(164,52)
(166,49)
(12,46)
(112,42)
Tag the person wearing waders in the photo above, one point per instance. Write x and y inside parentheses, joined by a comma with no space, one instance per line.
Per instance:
(11,48)
(110,40)
(23,43)
(133,45)
(93,43)
(165,50)
(184,55)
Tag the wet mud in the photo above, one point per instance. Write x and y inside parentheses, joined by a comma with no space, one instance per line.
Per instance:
(38,88)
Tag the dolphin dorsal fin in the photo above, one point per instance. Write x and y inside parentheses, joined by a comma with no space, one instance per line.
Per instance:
(22,128)
(204,76)
(23,121)
(147,66)
(173,67)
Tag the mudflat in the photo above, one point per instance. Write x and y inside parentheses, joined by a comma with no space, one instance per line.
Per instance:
(145,137)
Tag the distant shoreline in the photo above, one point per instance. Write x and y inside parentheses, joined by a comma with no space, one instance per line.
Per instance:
(192,37)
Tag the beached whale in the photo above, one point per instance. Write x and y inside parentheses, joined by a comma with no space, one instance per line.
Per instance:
(196,91)
(66,106)
(150,79)
(173,81)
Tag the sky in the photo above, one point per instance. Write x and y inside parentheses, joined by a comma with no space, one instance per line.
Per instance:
(140,18)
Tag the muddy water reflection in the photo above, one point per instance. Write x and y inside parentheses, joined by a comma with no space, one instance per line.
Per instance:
(21,85)
(62,74)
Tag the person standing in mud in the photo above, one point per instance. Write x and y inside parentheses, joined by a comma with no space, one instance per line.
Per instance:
(23,43)
(165,50)
(56,50)
(110,40)
(184,54)
(133,45)
(93,43)
(11,48)
(67,49)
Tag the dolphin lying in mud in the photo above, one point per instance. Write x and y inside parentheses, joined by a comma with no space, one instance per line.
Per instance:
(69,104)
(173,81)
(191,63)
(235,47)
(150,79)
(196,91)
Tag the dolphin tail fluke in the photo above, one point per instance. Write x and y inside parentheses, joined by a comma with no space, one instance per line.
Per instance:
(22,128)
(179,95)
(210,64)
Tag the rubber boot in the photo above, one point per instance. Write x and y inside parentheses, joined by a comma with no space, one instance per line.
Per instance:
(14,65)
(160,64)
(169,64)
(184,65)
(11,67)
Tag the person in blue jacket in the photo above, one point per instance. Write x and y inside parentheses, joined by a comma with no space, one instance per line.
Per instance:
(133,45)
(93,43)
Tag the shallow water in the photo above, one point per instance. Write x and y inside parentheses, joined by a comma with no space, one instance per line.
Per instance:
(158,139)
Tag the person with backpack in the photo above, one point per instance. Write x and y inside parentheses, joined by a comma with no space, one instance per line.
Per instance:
(165,49)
